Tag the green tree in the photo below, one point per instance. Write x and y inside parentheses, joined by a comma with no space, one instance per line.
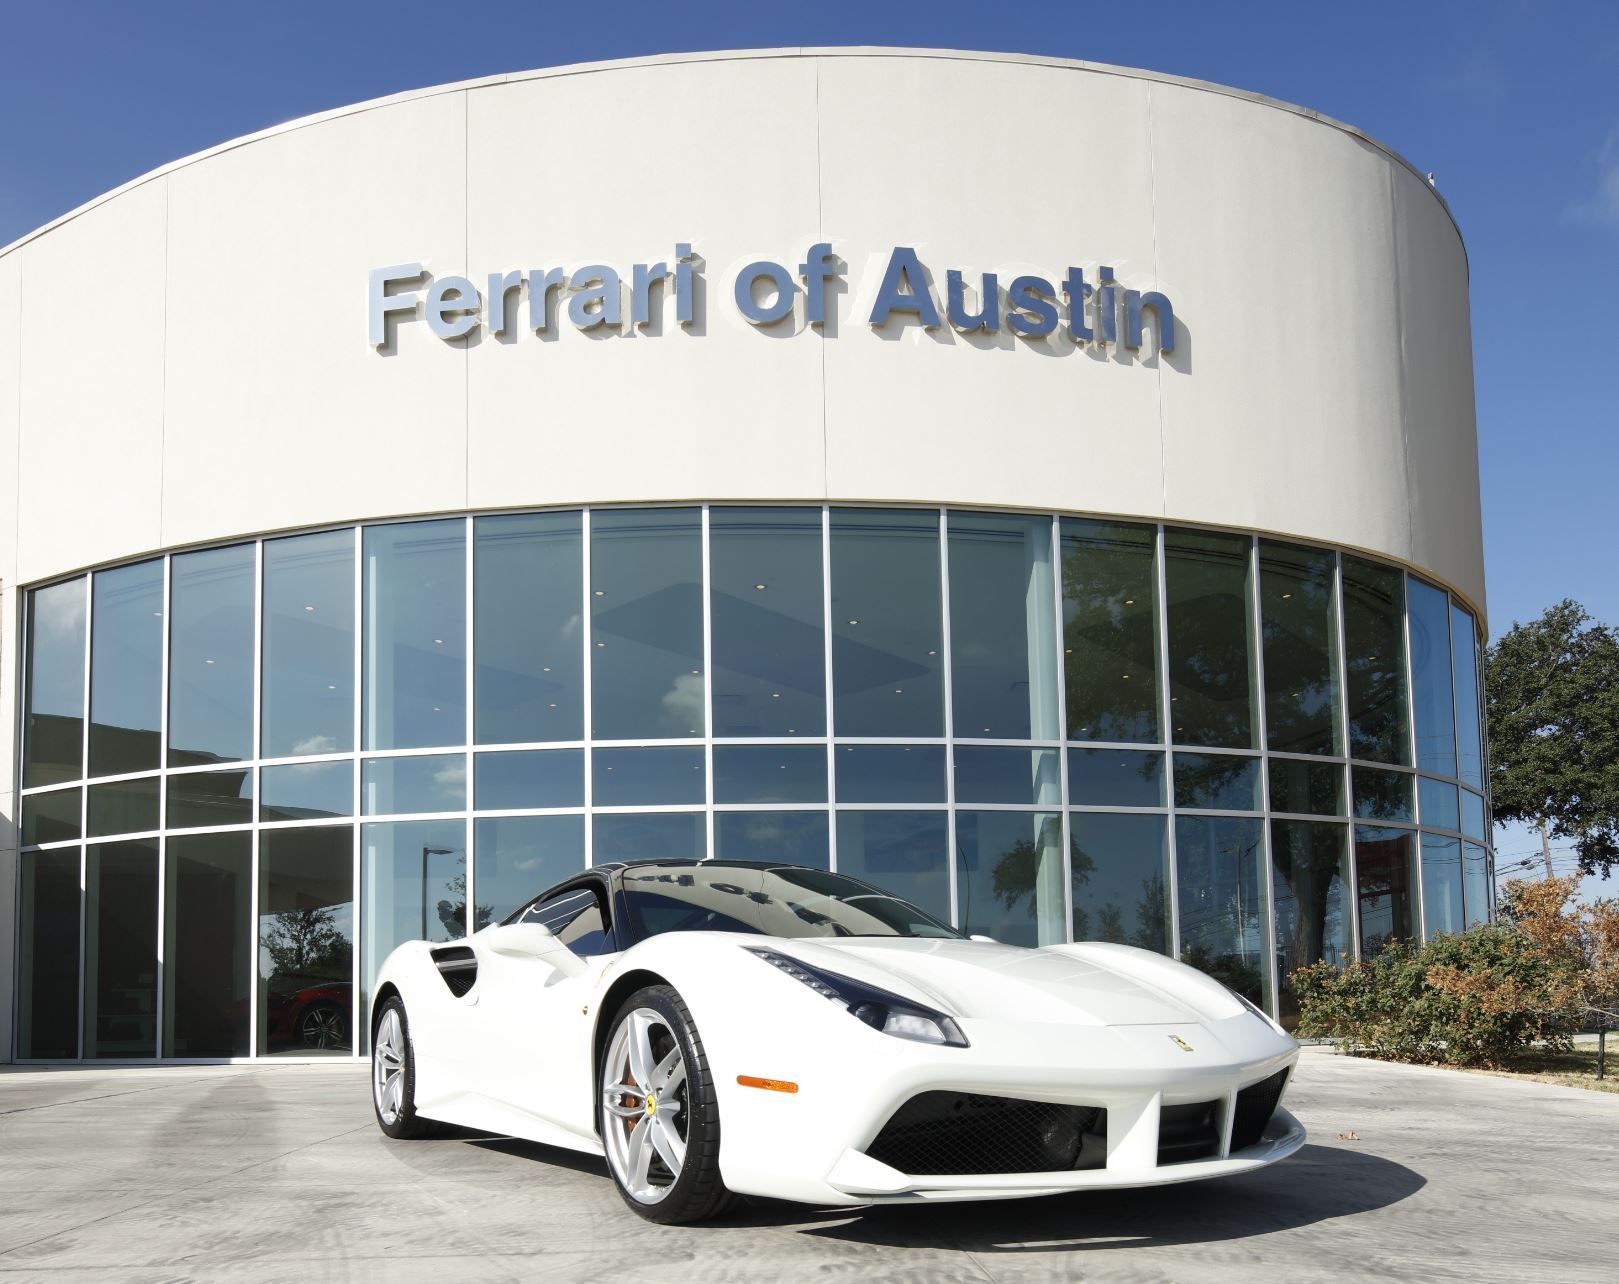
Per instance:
(1552,687)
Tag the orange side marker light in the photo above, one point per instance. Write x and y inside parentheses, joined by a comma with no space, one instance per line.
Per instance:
(772,1085)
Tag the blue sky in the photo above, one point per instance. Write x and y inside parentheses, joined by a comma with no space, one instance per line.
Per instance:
(1513,105)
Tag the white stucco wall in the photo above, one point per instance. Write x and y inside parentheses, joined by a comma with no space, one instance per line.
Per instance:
(192,350)
(185,359)
(10,598)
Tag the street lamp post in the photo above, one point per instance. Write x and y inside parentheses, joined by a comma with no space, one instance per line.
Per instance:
(426,852)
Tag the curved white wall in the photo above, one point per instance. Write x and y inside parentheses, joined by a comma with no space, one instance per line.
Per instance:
(185,360)
(192,350)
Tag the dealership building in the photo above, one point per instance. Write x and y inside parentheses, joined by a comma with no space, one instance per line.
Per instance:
(1046,490)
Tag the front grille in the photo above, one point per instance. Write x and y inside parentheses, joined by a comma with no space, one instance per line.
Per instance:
(1255,1105)
(964,1134)
(1187,1132)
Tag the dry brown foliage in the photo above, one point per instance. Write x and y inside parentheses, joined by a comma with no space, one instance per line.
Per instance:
(1561,929)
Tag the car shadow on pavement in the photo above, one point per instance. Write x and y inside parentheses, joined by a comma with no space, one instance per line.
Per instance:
(1316,1184)
(555,1156)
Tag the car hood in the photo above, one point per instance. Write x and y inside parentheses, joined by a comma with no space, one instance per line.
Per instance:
(1077,984)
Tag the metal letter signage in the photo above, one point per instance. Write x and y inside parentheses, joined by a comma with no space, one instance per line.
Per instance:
(768,294)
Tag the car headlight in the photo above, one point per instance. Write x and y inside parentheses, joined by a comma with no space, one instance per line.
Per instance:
(1257,1011)
(879,1009)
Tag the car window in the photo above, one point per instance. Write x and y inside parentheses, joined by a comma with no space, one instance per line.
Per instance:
(577,918)
(772,901)
(660,914)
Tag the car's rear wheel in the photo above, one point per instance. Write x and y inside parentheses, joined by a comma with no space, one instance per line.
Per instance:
(393,1074)
(660,1123)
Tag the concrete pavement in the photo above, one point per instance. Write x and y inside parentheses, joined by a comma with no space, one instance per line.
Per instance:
(269,1173)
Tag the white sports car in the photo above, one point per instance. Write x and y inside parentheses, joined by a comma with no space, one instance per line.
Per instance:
(719,1028)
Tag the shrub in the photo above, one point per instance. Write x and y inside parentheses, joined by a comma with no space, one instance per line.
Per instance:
(1477,999)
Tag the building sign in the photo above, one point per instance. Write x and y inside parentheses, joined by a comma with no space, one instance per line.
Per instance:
(1099,311)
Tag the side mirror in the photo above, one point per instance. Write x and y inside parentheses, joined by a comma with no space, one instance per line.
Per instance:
(537,942)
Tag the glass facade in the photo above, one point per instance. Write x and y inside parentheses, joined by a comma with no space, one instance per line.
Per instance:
(249,772)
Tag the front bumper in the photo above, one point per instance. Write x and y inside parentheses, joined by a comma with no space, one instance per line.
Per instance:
(811,1145)
(864,1180)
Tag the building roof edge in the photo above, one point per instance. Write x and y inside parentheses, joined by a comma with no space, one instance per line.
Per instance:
(655,60)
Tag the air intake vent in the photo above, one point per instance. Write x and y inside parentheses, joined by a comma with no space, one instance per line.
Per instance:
(1187,1132)
(962,1134)
(458,965)
(1255,1105)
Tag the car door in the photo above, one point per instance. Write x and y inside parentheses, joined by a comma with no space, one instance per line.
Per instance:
(534,1052)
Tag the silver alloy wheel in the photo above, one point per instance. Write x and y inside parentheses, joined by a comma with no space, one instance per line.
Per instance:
(644,1106)
(388,1067)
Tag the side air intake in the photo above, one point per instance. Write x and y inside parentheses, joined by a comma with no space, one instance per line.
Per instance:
(458,965)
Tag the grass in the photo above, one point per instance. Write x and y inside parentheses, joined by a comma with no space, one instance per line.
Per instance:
(1577,1069)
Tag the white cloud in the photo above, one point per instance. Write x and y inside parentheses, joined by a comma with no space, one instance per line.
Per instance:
(683,702)
(315,744)
(63,623)
(1602,206)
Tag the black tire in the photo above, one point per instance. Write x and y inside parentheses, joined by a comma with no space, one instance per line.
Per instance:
(698,1193)
(406,1123)
(324,1027)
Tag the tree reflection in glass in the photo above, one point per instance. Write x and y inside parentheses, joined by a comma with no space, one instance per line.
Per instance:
(1216,781)
(1299,610)
(1315,788)
(1384,866)
(305,941)
(1211,651)
(1374,662)
(1311,862)
(1119,871)
(1384,795)
(1110,635)
(1009,876)
(1222,901)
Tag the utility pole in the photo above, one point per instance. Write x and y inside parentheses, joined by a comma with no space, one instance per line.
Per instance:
(1545,849)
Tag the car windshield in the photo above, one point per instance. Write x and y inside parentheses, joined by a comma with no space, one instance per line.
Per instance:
(781,900)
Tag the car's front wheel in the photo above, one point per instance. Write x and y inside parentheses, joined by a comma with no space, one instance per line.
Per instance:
(393,1074)
(660,1123)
